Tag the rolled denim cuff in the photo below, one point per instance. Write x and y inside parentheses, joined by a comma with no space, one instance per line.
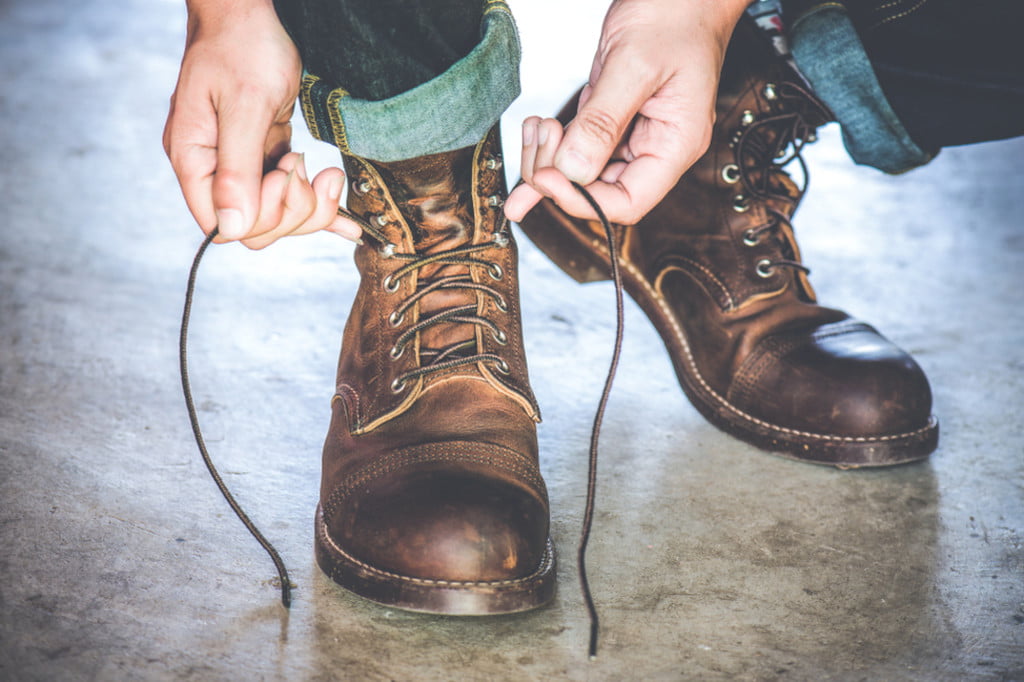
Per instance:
(451,111)
(831,56)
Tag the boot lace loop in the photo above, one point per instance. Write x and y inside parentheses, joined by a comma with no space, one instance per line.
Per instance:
(460,353)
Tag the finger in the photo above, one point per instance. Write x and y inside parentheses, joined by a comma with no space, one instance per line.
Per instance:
(632,190)
(602,120)
(244,130)
(190,139)
(520,200)
(529,155)
(549,136)
(327,187)
(285,203)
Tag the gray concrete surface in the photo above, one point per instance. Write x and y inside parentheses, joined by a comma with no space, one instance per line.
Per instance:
(710,560)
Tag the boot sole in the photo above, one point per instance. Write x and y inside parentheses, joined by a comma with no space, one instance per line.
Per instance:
(441,597)
(585,258)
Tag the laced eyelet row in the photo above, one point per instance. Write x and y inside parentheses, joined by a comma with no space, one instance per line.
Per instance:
(398,384)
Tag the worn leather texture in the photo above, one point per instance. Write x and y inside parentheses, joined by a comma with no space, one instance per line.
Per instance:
(717,268)
(431,495)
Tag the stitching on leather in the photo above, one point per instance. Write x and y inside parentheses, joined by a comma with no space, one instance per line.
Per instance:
(507,460)
(351,393)
(547,561)
(706,271)
(681,336)
(898,15)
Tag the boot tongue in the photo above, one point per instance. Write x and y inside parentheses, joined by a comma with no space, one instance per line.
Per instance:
(433,194)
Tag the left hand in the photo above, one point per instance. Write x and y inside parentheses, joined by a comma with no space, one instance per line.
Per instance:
(644,118)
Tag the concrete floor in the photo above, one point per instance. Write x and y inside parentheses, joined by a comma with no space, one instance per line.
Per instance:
(709,559)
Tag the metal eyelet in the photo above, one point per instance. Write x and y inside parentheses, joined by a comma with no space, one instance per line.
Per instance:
(495,200)
(381,220)
(770,92)
(398,385)
(501,304)
(500,239)
(388,250)
(503,367)
(811,137)
(731,173)
(750,238)
(740,204)
(361,187)
(747,118)
(501,337)
(390,284)
(492,164)
(396,352)
(764,268)
(395,319)
(495,271)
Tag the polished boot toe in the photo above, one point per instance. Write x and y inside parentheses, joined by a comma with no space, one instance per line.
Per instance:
(842,379)
(435,521)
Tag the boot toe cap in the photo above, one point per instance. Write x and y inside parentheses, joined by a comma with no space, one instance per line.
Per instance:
(843,380)
(439,522)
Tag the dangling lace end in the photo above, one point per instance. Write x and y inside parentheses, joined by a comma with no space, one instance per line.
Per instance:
(282,572)
(588,515)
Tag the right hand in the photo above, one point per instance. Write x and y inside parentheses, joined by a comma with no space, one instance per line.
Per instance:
(228,132)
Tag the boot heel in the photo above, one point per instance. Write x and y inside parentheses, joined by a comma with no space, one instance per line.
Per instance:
(566,242)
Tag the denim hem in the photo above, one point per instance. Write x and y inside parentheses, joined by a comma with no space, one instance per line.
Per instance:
(828,51)
(451,111)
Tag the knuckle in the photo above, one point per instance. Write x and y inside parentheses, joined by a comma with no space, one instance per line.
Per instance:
(599,125)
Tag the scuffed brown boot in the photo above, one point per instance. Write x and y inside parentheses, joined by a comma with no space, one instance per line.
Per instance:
(431,498)
(717,269)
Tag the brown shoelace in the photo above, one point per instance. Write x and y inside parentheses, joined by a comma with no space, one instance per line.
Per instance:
(588,515)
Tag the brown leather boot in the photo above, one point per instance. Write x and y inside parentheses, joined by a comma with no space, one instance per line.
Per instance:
(431,498)
(717,269)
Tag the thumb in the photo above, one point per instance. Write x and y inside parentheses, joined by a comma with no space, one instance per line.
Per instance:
(241,138)
(602,120)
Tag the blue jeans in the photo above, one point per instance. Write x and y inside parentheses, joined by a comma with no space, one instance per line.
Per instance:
(396,79)
(906,77)
(393,104)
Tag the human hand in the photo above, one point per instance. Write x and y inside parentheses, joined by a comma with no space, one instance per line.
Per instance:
(644,118)
(228,131)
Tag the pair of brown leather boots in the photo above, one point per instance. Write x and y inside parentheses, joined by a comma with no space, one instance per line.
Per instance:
(432,499)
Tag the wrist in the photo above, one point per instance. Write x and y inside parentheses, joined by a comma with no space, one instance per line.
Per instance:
(217,15)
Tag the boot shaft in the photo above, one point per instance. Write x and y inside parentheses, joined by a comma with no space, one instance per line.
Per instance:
(438,300)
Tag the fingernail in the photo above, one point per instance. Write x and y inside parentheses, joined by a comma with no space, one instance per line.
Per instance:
(230,223)
(542,135)
(300,167)
(288,182)
(334,187)
(574,166)
(529,131)
(346,229)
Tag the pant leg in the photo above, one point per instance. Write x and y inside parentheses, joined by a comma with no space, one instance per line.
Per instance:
(382,48)
(396,79)
(952,70)
(908,77)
